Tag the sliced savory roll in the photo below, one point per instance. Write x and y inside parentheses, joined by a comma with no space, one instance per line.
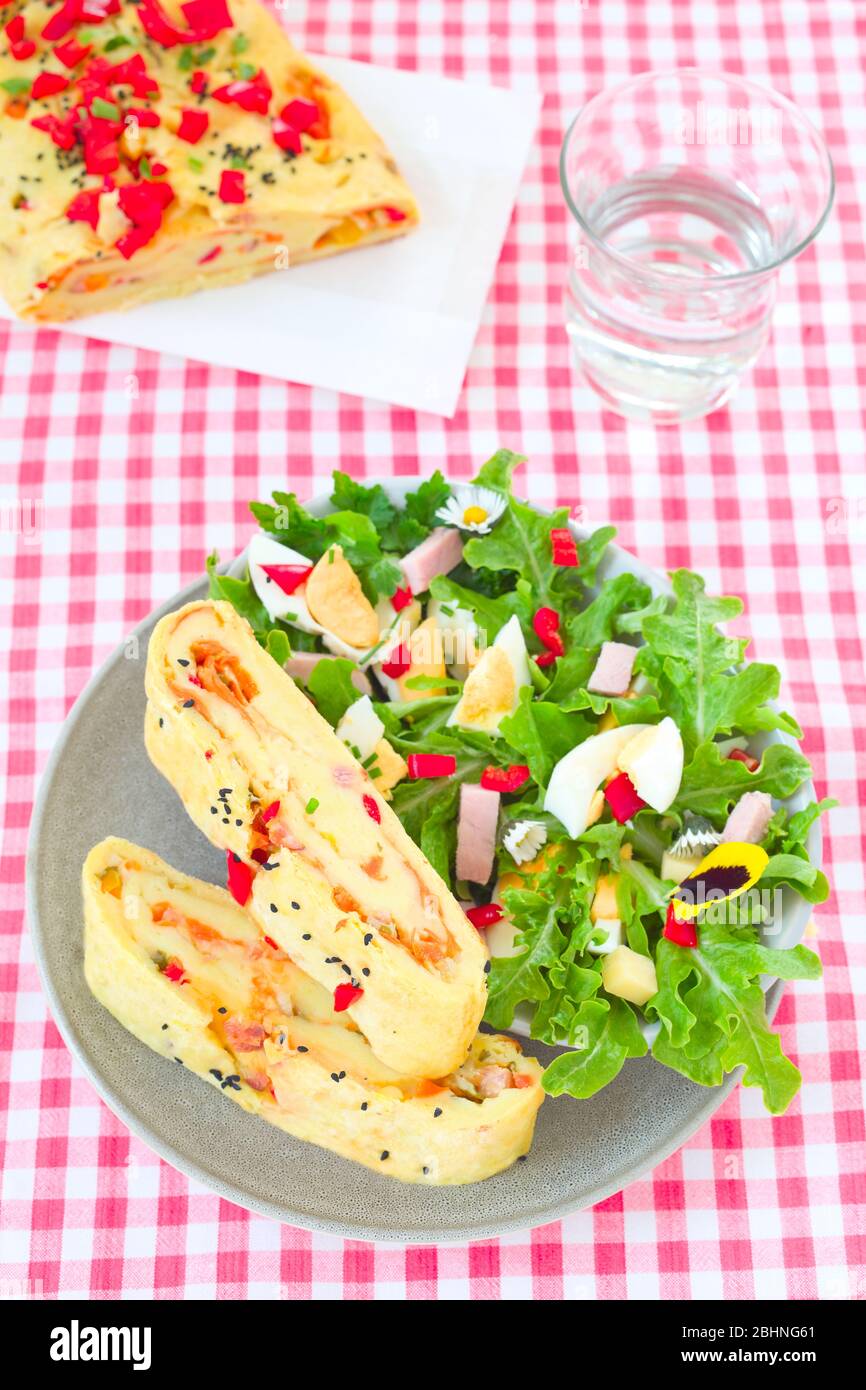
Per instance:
(190,974)
(338,881)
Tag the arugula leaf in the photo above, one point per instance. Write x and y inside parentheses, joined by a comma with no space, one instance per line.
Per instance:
(723,702)
(330,684)
(423,504)
(520,543)
(373,502)
(689,631)
(241,595)
(292,524)
(711,783)
(590,552)
(597,622)
(490,613)
(513,979)
(542,733)
(612,1034)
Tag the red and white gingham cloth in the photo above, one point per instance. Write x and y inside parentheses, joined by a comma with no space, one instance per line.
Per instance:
(123,468)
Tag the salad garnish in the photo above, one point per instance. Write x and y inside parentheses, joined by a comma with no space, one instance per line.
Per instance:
(584,761)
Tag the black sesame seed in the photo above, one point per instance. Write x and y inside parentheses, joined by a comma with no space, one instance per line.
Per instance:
(161,721)
(301,1048)
(296,906)
(226,820)
(238,822)
(306,936)
(214,811)
(188,704)
(342,1074)
(487,967)
(222,1010)
(521,1158)
(347,970)
(334,1076)
(179,1059)
(273,907)
(365,970)
(164,1026)
(214,1071)
(363,1105)
(368,938)
(383,1155)
(182,661)
(425,1171)
(437,1112)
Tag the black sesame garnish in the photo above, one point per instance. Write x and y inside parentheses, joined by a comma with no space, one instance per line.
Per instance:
(233,1082)
(274,907)
(296,907)
(238,822)
(164,1026)
(383,1155)
(347,970)
(368,938)
(307,936)
(214,811)
(487,967)
(188,704)
(226,820)
(425,1171)
(161,721)
(301,1048)
(521,1158)
(222,1010)
(215,1071)
(182,661)
(363,1105)
(334,1076)
(179,1059)
(437,1112)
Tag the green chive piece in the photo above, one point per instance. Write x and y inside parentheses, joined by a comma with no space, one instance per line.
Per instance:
(107,110)
(312,805)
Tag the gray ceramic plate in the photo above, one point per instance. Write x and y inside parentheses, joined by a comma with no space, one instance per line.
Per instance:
(99,782)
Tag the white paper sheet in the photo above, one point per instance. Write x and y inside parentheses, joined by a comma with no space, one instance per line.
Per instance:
(394,322)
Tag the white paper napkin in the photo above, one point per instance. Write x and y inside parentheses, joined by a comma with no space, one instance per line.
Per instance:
(395,322)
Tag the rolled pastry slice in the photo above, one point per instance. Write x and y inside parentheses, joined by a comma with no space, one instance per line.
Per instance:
(339,883)
(188,972)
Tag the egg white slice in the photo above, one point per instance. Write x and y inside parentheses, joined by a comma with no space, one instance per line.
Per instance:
(361,728)
(509,642)
(654,762)
(576,777)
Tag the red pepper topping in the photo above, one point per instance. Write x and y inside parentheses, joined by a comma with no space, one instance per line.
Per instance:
(249,95)
(401,598)
(47,84)
(622,798)
(193,125)
(61,132)
(681,933)
(240,878)
(301,114)
(23,50)
(146,118)
(545,624)
(345,995)
(198,82)
(564,547)
(144,205)
(270,811)
(285,136)
(205,18)
(270,941)
(431,765)
(398,662)
(739,755)
(85,207)
(372,809)
(208,753)
(505,779)
(132,72)
(95,11)
(544,659)
(62,20)
(71,53)
(485,916)
(395,214)
(210,255)
(174,971)
(100,156)
(231,189)
(288,577)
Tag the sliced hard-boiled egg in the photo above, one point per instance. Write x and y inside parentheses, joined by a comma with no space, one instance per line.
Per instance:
(361,728)
(336,600)
(460,636)
(654,763)
(571,792)
(423,648)
(492,689)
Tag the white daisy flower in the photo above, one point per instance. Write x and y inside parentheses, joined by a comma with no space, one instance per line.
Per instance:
(524,839)
(696,837)
(472,508)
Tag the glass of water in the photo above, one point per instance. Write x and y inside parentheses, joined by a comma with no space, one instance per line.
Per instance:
(689,192)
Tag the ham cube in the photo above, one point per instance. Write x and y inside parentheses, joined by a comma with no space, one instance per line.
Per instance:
(747,823)
(476,832)
(612,674)
(438,554)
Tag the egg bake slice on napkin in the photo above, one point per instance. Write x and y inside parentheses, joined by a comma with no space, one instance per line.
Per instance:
(330,871)
(150,149)
(189,973)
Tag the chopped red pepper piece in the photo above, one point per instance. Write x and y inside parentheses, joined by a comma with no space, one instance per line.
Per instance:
(372,809)
(622,798)
(205,18)
(131,72)
(62,20)
(198,82)
(739,755)
(395,214)
(47,84)
(285,136)
(194,680)
(681,933)
(95,11)
(85,207)
(485,916)
(61,132)
(398,663)
(505,779)
(544,659)
(270,942)
(301,114)
(146,117)
(210,255)
(431,765)
(545,624)
(208,753)
(193,124)
(240,878)
(144,204)
(101,157)
(288,577)
(71,53)
(345,995)
(174,971)
(23,50)
(401,598)
(231,189)
(270,811)
(564,547)
(249,94)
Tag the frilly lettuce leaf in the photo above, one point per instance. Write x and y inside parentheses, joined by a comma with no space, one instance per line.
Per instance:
(541,734)
(606,1032)
(711,783)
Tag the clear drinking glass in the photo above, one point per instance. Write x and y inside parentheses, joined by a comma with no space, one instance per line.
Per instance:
(689,192)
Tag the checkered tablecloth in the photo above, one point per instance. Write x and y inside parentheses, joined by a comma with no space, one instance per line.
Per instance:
(120,469)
